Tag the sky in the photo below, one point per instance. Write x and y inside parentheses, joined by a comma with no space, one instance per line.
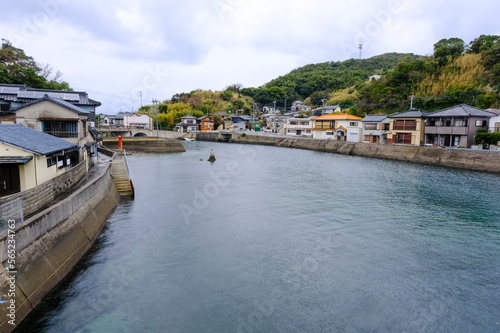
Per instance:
(119,50)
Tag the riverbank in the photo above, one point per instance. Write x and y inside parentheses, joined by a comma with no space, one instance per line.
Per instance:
(146,145)
(461,159)
(48,244)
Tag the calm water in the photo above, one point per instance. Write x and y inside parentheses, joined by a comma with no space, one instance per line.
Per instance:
(273,239)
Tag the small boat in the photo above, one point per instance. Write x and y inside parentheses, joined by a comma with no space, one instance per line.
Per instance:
(189,139)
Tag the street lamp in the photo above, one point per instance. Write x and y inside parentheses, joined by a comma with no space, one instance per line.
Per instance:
(155,103)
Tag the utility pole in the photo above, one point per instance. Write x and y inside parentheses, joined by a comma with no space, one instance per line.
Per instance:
(155,103)
(411,103)
(285,105)
(274,117)
(140,94)
(323,100)
(360,51)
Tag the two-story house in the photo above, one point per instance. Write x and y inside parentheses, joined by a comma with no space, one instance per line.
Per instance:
(340,127)
(407,128)
(455,126)
(299,126)
(138,120)
(13,96)
(206,123)
(494,124)
(59,118)
(188,124)
(375,127)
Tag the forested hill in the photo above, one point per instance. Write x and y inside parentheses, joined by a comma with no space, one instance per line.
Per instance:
(455,73)
(316,81)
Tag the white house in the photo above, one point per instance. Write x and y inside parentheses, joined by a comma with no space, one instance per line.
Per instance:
(339,127)
(138,120)
(494,124)
(299,126)
(188,124)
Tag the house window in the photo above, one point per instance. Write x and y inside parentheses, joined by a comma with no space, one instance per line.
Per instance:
(481,123)
(385,127)
(51,161)
(329,133)
(404,138)
(61,129)
(293,123)
(456,140)
(305,123)
(461,122)
(369,126)
(446,122)
(353,123)
(432,122)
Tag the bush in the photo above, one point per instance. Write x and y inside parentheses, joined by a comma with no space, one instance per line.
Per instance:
(487,138)
(243,135)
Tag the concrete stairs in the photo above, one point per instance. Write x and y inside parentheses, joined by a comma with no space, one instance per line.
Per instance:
(120,175)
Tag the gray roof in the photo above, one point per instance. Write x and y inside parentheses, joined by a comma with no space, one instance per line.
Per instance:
(375,118)
(33,140)
(409,114)
(462,110)
(15,159)
(495,111)
(188,117)
(22,93)
(58,101)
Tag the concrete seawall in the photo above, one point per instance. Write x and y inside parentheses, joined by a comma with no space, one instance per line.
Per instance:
(147,145)
(51,242)
(462,159)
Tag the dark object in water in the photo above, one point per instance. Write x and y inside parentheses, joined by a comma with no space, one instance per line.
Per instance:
(212,157)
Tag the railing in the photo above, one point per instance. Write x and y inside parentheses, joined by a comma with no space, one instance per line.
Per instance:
(11,214)
(62,134)
(405,128)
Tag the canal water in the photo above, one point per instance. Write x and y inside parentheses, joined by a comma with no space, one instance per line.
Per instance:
(271,239)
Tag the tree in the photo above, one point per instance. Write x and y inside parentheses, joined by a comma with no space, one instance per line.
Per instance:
(481,43)
(445,48)
(18,68)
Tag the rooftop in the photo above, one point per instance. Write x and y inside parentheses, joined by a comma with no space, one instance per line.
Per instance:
(33,140)
(375,117)
(57,101)
(341,116)
(23,93)
(462,110)
(409,114)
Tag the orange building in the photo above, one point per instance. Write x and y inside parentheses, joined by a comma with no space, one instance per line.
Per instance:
(340,127)
(206,124)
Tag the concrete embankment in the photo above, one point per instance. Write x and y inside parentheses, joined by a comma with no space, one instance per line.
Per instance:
(146,145)
(51,242)
(462,159)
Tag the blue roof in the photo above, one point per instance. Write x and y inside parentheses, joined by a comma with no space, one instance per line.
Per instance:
(59,101)
(33,140)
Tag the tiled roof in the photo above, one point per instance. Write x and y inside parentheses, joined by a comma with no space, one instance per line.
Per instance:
(462,110)
(58,101)
(343,116)
(33,140)
(375,118)
(409,114)
(23,93)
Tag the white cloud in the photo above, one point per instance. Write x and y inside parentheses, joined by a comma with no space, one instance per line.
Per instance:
(112,47)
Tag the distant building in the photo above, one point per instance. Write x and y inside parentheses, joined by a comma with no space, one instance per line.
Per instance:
(299,126)
(375,127)
(138,120)
(29,158)
(494,123)
(407,128)
(339,127)
(326,110)
(298,106)
(455,126)
(206,123)
(188,124)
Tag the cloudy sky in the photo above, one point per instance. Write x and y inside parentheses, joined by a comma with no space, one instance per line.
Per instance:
(115,49)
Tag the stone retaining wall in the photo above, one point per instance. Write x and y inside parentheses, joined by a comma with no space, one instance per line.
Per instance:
(463,159)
